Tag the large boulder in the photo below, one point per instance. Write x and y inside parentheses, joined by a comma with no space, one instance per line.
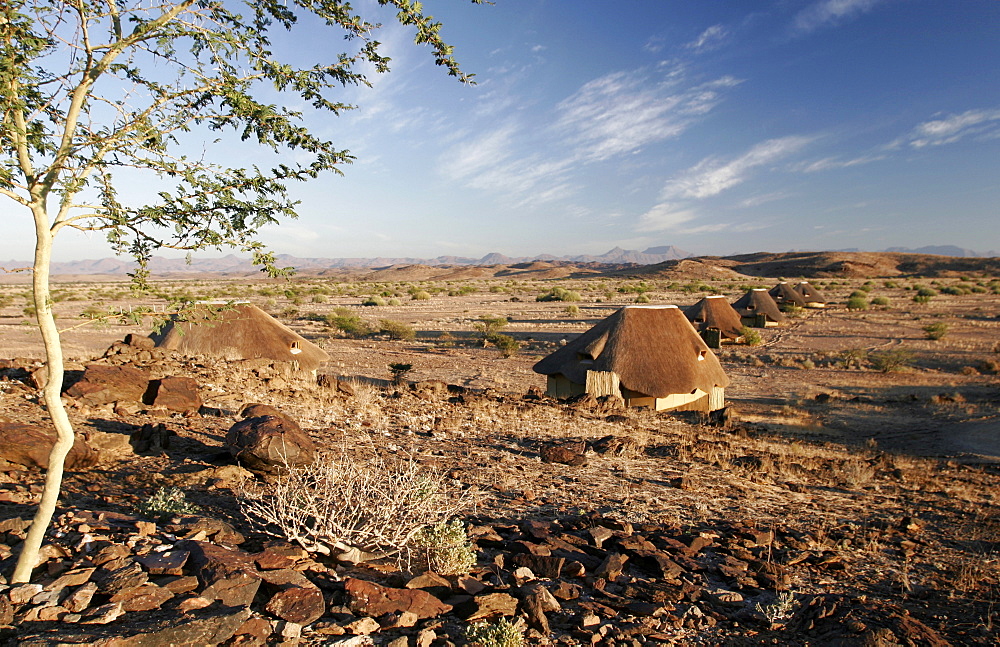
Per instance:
(29,446)
(101,384)
(269,444)
(174,393)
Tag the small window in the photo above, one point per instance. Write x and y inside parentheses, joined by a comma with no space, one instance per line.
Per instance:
(294,349)
(701,355)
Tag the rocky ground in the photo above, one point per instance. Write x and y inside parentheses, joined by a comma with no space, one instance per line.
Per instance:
(804,521)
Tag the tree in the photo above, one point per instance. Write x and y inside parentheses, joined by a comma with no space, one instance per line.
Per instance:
(93,90)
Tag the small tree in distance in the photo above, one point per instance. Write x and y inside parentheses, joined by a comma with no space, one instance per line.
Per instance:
(94,88)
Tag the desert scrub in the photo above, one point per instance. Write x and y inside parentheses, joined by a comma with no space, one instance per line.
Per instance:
(857,303)
(420,295)
(397,330)
(166,502)
(341,501)
(374,300)
(399,372)
(924,295)
(751,337)
(489,327)
(501,633)
(936,330)
(881,302)
(889,361)
(559,294)
(347,322)
(572,309)
(507,345)
(443,548)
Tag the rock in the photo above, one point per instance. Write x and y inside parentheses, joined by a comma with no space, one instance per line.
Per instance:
(612,566)
(295,598)
(119,575)
(563,454)
(363,626)
(269,443)
(168,562)
(279,555)
(151,438)
(102,384)
(143,598)
(109,443)
(174,393)
(374,600)
(140,341)
(428,580)
(258,410)
(227,575)
(29,446)
(255,631)
(80,599)
(6,611)
(549,567)
(490,605)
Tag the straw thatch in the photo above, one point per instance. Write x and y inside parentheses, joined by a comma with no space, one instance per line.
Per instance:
(811,295)
(715,312)
(241,332)
(786,296)
(653,350)
(757,302)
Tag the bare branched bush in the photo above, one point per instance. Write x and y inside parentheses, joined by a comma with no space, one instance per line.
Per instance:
(341,502)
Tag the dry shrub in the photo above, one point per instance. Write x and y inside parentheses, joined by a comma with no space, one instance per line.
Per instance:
(341,502)
(855,473)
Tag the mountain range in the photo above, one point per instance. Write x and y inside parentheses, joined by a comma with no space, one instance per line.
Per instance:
(232,264)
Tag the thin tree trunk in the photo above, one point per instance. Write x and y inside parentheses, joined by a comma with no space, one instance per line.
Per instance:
(53,402)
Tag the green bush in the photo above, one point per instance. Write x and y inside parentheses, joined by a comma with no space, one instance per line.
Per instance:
(559,294)
(488,326)
(167,501)
(751,337)
(349,323)
(397,330)
(888,361)
(507,345)
(857,303)
(936,330)
(501,633)
(420,295)
(642,298)
(373,300)
(882,302)
(399,372)
(443,548)
(572,309)
(924,295)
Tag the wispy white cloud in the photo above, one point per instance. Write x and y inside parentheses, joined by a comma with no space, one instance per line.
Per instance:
(610,117)
(828,163)
(757,200)
(830,12)
(622,112)
(711,176)
(708,178)
(982,124)
(709,39)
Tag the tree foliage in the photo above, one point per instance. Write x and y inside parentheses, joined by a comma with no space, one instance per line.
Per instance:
(97,93)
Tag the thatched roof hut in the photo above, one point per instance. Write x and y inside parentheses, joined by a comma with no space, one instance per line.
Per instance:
(241,332)
(786,296)
(757,302)
(715,312)
(649,355)
(811,295)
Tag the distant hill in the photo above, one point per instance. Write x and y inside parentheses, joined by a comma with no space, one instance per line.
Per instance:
(232,264)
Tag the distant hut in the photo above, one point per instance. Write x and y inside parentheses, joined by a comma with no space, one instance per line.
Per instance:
(651,356)
(242,332)
(713,317)
(786,297)
(758,309)
(811,295)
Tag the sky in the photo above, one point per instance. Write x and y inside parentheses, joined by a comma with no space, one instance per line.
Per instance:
(718,127)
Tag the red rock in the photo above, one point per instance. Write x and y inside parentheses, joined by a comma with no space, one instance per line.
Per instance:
(269,443)
(612,566)
(102,383)
(490,605)
(30,446)
(169,562)
(543,566)
(279,556)
(174,393)
(143,598)
(227,575)
(370,599)
(295,598)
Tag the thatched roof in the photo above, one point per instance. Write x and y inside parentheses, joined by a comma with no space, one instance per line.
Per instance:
(758,301)
(242,332)
(715,312)
(654,350)
(810,293)
(783,294)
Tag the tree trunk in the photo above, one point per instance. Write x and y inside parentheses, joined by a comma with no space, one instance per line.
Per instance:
(53,402)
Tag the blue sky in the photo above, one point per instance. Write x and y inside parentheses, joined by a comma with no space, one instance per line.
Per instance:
(719,127)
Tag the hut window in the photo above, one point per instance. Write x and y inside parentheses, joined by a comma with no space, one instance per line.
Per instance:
(294,349)
(750,306)
(701,355)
